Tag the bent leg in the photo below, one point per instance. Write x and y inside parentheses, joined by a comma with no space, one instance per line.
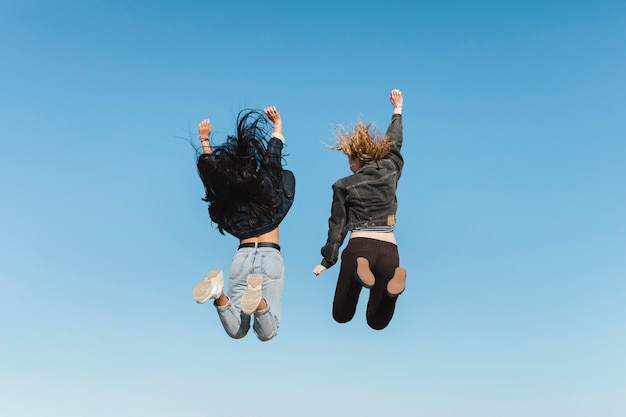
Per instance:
(265,324)
(348,287)
(269,263)
(381,305)
(235,323)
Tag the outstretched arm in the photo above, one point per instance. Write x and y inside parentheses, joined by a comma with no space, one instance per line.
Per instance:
(394,131)
(274,116)
(204,130)
(396,100)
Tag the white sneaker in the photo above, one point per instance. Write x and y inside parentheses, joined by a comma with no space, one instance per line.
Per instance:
(210,287)
(252,298)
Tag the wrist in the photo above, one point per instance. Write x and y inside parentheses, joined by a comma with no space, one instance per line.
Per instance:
(278,135)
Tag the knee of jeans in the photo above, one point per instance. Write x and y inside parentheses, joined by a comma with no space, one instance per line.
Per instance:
(238,334)
(263,335)
(265,325)
(265,338)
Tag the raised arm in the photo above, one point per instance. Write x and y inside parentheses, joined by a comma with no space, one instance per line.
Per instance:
(394,131)
(204,130)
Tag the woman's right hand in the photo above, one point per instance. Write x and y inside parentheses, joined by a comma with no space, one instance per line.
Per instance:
(272,113)
(274,116)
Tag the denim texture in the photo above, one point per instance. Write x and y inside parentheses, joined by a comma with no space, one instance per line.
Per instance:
(269,263)
(366,198)
(283,194)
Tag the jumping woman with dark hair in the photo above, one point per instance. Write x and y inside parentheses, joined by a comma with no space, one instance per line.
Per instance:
(249,194)
(365,205)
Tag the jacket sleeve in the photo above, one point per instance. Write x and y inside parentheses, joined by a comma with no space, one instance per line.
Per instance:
(337,227)
(274,150)
(204,166)
(394,136)
(204,160)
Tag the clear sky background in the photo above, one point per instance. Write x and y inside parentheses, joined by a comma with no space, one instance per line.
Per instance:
(511,221)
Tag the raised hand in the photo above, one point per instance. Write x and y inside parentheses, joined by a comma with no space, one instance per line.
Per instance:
(204,129)
(396,98)
(274,116)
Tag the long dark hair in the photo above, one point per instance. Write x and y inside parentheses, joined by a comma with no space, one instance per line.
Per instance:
(236,174)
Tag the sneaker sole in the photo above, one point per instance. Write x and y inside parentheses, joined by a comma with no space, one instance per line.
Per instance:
(202,291)
(397,284)
(251,299)
(364,273)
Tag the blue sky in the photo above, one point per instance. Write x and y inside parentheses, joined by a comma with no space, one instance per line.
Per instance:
(511,220)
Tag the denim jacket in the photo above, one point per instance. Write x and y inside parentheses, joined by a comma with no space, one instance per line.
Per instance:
(284,194)
(366,198)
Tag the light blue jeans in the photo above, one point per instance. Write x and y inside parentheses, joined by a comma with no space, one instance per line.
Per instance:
(269,263)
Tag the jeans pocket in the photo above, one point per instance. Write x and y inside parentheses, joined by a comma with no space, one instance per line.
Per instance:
(237,266)
(272,265)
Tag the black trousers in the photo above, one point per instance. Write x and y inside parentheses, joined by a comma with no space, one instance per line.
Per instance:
(383,259)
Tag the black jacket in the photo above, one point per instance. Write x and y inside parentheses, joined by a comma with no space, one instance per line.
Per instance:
(241,227)
(366,198)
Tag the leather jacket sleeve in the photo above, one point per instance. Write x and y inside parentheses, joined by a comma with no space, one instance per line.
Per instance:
(337,227)
(394,135)
(274,150)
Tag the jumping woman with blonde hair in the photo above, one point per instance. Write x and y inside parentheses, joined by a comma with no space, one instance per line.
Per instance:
(365,205)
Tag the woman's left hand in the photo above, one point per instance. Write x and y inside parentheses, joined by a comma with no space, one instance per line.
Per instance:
(204,129)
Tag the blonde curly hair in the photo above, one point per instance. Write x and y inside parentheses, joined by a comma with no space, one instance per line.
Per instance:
(361,142)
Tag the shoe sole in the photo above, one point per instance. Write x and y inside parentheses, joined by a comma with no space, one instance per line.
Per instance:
(203,289)
(252,298)
(397,284)
(364,273)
